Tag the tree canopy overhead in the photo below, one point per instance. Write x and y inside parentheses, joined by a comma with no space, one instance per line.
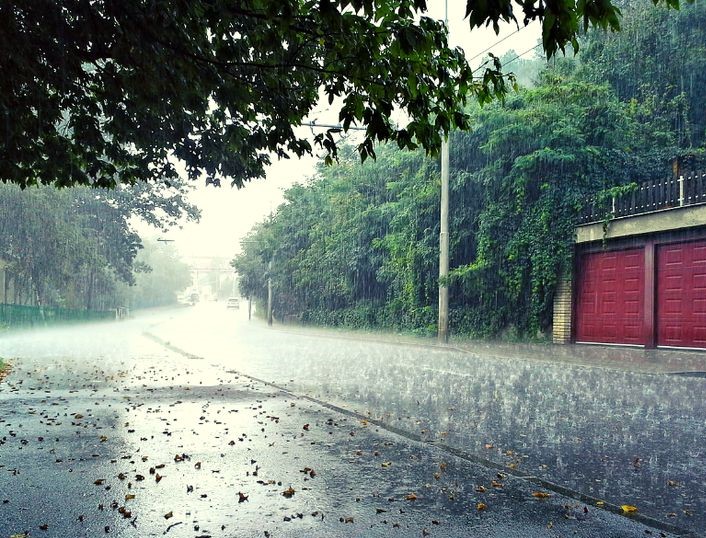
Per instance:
(106,92)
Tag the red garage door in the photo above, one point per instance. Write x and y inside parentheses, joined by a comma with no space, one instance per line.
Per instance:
(610,297)
(681,294)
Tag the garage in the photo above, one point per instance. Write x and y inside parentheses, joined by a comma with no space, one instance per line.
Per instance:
(610,297)
(681,294)
(639,278)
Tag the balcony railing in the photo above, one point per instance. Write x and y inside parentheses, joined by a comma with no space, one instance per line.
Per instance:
(648,197)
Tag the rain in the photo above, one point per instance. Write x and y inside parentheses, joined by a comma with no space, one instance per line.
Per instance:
(234,301)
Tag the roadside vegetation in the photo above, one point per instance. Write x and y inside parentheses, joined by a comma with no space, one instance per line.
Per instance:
(4,369)
(357,245)
(77,249)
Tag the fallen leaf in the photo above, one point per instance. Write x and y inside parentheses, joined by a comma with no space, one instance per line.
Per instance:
(99,482)
(288,493)
(481,489)
(628,508)
(481,506)
(385,464)
(541,494)
(411,497)
(168,515)
(129,497)
(242,497)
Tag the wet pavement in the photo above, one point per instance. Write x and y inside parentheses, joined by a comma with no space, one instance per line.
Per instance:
(112,430)
(628,437)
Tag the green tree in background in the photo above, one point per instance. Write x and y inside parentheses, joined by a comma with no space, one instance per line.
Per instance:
(159,277)
(536,160)
(358,244)
(658,62)
(71,247)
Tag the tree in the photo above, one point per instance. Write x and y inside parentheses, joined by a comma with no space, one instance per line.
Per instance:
(659,61)
(161,275)
(108,92)
(358,244)
(71,247)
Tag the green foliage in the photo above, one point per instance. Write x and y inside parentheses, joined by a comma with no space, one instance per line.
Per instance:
(71,248)
(537,158)
(358,245)
(658,63)
(160,276)
(102,93)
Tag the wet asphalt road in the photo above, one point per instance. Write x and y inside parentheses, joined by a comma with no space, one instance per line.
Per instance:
(90,418)
(626,437)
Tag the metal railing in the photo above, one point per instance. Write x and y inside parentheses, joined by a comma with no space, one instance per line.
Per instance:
(649,196)
(12,315)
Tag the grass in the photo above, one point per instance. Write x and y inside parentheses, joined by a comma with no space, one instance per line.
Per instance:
(4,368)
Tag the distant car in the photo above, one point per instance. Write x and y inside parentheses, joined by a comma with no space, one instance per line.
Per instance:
(233,303)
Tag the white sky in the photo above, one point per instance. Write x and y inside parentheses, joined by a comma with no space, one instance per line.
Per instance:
(229,213)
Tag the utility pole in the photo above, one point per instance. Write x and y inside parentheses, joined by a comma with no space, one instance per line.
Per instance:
(443,324)
(444,246)
(269,293)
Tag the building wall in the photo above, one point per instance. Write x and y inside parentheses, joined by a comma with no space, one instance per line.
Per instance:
(563,302)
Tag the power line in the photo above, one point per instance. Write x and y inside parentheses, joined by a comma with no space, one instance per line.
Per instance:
(496,43)
(313,124)
(520,55)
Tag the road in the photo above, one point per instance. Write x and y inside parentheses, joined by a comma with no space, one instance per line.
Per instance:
(402,440)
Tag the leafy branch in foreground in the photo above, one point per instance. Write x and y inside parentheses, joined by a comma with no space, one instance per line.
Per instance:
(109,92)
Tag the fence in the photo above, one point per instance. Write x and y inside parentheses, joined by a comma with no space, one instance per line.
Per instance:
(29,316)
(650,196)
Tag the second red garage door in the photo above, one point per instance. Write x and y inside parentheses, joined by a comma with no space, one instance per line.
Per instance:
(610,297)
(681,294)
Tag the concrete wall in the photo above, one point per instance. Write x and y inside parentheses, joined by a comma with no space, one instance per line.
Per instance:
(666,220)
